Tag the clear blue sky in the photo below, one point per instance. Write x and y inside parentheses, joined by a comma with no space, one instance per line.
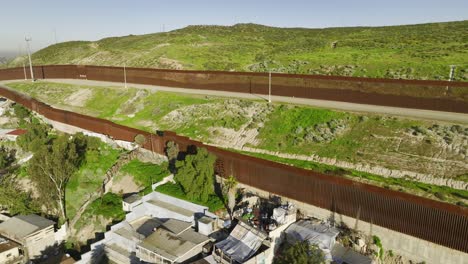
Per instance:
(96,19)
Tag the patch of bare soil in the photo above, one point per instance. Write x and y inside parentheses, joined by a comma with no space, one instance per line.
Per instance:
(170,63)
(79,98)
(88,231)
(93,58)
(247,134)
(134,105)
(146,123)
(243,117)
(28,186)
(161,45)
(125,185)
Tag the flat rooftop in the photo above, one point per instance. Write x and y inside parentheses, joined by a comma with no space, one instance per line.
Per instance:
(170,245)
(132,198)
(171,207)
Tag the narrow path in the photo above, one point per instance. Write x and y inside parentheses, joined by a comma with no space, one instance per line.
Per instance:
(110,174)
(343,106)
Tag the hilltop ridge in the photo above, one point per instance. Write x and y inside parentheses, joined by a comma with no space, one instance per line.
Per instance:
(422,51)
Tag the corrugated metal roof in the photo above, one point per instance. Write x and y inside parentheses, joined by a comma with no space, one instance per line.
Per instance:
(17,132)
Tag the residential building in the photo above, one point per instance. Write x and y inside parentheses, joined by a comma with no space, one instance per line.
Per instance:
(11,134)
(174,241)
(10,252)
(131,202)
(34,233)
(245,244)
(158,229)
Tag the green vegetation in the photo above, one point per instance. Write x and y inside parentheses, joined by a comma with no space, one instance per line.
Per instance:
(377,140)
(109,206)
(195,174)
(214,203)
(88,179)
(288,128)
(7,157)
(51,168)
(378,243)
(16,200)
(301,252)
(36,136)
(422,51)
(145,174)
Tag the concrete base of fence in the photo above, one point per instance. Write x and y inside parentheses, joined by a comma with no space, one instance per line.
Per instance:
(407,246)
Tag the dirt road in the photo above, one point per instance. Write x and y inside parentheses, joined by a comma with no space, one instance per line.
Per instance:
(350,107)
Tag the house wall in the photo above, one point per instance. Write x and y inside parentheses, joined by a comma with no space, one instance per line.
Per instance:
(61,234)
(128,207)
(410,247)
(261,258)
(181,203)
(277,238)
(192,253)
(3,218)
(8,256)
(39,241)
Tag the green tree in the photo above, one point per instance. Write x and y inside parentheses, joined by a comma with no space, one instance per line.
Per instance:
(196,175)
(7,157)
(230,190)
(301,252)
(21,112)
(14,199)
(37,136)
(172,152)
(52,167)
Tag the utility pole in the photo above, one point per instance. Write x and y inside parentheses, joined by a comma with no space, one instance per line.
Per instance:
(24,70)
(55,36)
(29,55)
(125,76)
(269,87)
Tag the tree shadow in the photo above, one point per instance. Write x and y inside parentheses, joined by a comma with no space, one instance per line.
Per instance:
(52,254)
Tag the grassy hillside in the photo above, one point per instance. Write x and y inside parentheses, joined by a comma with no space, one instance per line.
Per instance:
(422,51)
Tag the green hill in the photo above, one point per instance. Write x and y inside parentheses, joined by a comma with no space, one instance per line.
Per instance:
(422,51)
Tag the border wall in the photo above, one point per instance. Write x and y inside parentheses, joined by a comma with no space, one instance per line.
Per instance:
(430,95)
(437,222)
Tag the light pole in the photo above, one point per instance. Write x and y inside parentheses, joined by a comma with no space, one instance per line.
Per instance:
(269,86)
(452,73)
(125,76)
(29,55)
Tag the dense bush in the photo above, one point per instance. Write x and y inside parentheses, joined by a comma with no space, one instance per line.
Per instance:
(109,206)
(196,175)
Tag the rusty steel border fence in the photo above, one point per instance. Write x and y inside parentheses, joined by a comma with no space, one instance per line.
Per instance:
(434,221)
(419,94)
